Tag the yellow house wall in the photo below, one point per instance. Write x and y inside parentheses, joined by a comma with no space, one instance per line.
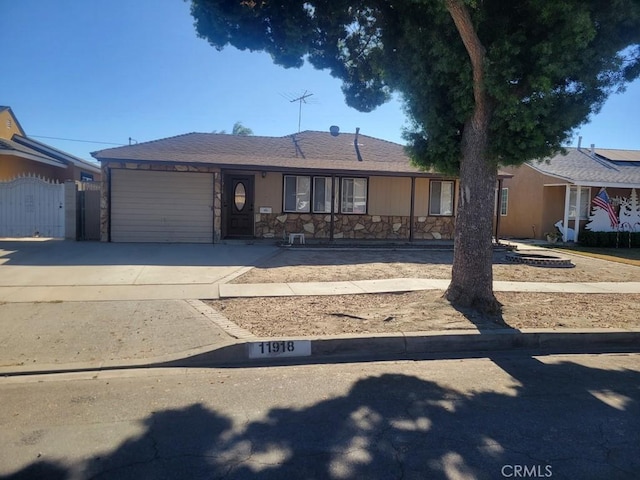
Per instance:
(11,167)
(268,191)
(526,203)
(389,196)
(421,205)
(386,195)
(554,200)
(8,125)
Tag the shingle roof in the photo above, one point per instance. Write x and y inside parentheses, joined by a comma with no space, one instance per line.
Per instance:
(35,155)
(579,167)
(50,152)
(39,151)
(308,150)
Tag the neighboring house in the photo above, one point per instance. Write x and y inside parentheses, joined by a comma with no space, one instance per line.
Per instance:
(22,156)
(201,187)
(542,193)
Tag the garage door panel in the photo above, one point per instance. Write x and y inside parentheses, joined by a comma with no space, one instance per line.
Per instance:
(149,206)
(177,211)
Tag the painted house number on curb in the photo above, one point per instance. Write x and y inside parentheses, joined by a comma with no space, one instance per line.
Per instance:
(280,348)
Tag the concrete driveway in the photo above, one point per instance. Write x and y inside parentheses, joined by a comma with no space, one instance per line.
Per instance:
(41,270)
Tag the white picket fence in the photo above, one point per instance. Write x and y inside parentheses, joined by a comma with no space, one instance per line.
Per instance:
(31,207)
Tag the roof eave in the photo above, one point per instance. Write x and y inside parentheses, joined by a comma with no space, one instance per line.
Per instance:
(34,158)
(281,169)
(54,152)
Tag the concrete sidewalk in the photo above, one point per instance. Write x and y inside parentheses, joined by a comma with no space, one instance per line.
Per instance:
(73,336)
(228,290)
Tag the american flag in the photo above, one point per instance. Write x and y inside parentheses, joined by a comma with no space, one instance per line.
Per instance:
(602,200)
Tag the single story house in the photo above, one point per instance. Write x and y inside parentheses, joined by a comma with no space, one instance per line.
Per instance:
(562,188)
(202,187)
(22,156)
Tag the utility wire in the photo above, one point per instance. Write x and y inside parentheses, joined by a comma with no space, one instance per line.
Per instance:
(76,140)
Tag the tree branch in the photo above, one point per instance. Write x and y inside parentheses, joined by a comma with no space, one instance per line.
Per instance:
(462,19)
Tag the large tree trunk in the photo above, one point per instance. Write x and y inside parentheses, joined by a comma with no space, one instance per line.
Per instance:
(472,273)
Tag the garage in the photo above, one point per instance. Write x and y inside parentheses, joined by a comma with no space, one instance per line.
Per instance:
(155,206)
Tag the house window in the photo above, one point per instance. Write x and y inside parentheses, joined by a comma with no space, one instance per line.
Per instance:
(354,195)
(86,177)
(322,195)
(585,194)
(441,198)
(504,201)
(297,194)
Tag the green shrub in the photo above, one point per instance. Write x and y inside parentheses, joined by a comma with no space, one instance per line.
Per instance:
(587,238)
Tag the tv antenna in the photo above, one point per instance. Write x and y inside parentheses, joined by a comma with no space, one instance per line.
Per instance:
(300,99)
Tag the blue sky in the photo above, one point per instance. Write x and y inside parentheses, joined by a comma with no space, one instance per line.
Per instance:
(108,70)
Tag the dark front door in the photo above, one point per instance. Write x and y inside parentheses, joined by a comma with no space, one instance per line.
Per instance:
(239,205)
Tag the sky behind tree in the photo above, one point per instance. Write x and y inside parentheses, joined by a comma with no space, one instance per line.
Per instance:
(107,71)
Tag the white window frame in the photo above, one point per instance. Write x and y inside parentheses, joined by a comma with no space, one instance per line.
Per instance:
(302,197)
(504,202)
(349,197)
(86,177)
(326,189)
(585,201)
(439,213)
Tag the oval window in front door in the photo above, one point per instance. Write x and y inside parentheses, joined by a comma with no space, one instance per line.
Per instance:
(240,196)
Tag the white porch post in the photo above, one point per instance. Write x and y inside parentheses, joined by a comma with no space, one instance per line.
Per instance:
(576,224)
(565,220)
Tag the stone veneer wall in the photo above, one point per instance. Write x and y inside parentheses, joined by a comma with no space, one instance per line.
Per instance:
(369,227)
(104,198)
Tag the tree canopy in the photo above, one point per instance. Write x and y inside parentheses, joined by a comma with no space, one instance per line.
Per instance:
(548,65)
(484,82)
(240,129)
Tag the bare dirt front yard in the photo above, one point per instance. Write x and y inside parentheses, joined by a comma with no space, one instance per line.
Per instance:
(423,311)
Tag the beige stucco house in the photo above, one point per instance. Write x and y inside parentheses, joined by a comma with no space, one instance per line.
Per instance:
(202,187)
(561,189)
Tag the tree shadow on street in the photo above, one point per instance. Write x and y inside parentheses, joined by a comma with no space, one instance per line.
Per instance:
(561,420)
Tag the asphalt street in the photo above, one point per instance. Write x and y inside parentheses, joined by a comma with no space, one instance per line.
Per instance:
(510,415)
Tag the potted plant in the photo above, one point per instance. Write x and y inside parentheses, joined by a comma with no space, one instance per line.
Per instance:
(552,237)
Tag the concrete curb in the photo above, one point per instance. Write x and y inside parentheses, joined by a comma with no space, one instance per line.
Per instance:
(371,347)
(420,343)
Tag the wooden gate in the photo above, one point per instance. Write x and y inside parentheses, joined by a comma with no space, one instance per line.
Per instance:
(88,215)
(31,207)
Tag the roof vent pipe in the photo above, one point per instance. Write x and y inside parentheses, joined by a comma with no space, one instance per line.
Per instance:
(355,144)
(593,150)
(579,142)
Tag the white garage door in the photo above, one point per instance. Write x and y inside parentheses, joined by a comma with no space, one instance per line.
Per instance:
(151,206)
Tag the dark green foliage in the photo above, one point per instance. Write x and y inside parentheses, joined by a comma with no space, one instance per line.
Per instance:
(548,64)
(588,238)
(241,130)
